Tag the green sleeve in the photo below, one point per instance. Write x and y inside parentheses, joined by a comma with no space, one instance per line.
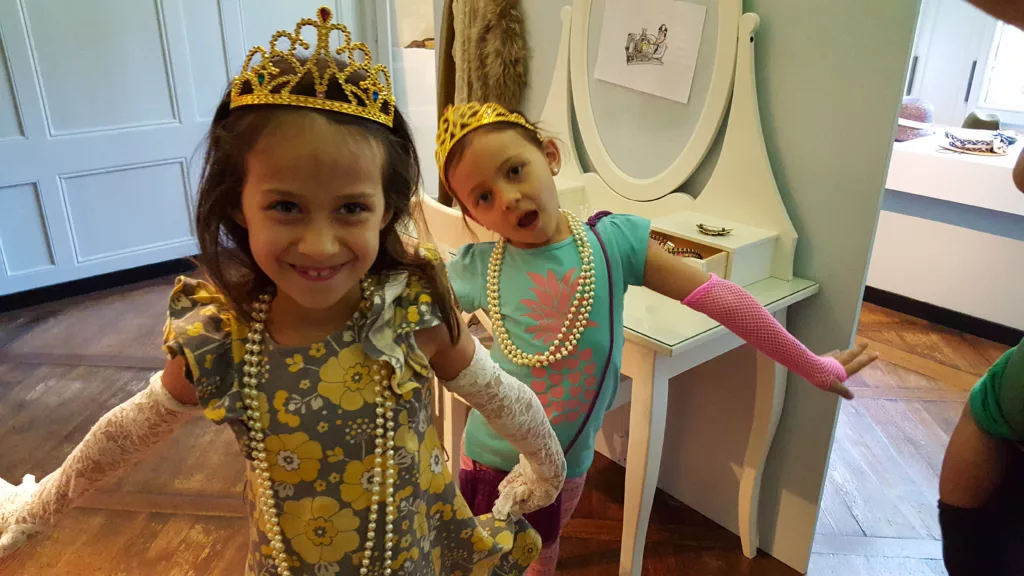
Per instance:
(467,274)
(628,236)
(997,400)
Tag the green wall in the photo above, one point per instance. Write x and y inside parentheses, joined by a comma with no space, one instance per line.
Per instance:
(830,75)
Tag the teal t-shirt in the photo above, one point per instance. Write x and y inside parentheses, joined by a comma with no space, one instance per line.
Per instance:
(997,400)
(536,289)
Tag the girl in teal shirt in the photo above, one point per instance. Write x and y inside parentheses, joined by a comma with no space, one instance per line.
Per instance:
(554,288)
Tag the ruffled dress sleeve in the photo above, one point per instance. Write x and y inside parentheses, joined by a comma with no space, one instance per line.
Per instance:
(400,305)
(201,328)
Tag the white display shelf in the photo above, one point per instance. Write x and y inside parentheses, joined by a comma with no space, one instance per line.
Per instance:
(923,168)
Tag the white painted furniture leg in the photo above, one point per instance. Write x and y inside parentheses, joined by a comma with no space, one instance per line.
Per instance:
(455,414)
(770,394)
(643,460)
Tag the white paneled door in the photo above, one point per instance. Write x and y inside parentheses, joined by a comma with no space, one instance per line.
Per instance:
(103,108)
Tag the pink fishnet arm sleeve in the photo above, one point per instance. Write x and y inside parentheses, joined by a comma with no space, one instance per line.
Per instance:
(733,307)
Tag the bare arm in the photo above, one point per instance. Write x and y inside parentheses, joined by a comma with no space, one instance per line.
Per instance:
(174,381)
(447,360)
(670,275)
(974,464)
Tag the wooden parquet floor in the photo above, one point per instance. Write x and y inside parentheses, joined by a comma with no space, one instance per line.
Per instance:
(878,513)
(179,511)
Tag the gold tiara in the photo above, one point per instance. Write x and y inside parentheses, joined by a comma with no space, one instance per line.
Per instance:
(461,119)
(370,98)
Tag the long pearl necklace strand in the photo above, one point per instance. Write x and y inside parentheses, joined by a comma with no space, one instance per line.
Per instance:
(575,320)
(256,371)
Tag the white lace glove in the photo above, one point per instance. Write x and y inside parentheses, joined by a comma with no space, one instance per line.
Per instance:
(515,412)
(117,440)
(518,493)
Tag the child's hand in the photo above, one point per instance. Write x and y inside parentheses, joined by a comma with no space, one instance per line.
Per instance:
(15,529)
(853,360)
(522,492)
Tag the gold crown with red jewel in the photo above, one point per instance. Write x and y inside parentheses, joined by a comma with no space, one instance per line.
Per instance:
(369,98)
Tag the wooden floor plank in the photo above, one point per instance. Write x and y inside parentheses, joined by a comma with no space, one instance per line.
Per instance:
(926,549)
(989,351)
(52,409)
(918,435)
(937,375)
(959,396)
(944,414)
(152,362)
(866,480)
(111,499)
(127,322)
(835,510)
(926,340)
(133,543)
(899,432)
(843,565)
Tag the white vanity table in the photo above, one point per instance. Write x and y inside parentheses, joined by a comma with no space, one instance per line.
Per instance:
(664,338)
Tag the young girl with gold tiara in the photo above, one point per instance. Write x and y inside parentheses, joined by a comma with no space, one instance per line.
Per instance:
(317,341)
(554,288)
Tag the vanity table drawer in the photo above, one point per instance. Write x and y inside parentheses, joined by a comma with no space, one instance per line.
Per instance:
(717,264)
(746,253)
(714,260)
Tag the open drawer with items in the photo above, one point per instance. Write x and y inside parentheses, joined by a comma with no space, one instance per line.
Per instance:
(707,258)
(736,252)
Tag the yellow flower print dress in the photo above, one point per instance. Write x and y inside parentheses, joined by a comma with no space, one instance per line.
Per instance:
(319,412)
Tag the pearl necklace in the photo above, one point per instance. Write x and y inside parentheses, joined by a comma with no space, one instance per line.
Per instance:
(256,371)
(575,320)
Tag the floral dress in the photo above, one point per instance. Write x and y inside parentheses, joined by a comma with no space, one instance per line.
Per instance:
(319,412)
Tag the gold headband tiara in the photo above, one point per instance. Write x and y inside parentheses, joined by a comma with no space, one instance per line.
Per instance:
(461,119)
(371,98)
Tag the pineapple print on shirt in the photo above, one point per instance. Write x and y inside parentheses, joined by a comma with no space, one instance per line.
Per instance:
(565,387)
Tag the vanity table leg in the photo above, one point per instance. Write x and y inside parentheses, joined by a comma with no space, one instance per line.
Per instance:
(648,406)
(456,412)
(769,396)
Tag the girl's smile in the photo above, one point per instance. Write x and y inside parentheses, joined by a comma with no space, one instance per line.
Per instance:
(317,274)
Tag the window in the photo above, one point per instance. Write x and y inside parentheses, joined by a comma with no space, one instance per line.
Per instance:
(965,60)
(409,27)
(1002,86)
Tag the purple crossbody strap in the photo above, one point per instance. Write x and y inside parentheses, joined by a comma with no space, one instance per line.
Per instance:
(592,222)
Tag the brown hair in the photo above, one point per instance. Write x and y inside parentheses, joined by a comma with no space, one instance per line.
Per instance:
(225,255)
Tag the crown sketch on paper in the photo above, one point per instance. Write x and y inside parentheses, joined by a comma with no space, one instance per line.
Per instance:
(644,48)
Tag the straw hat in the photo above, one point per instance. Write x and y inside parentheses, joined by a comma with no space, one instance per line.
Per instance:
(916,117)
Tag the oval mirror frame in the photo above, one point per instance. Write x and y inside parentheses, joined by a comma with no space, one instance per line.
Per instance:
(704,133)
